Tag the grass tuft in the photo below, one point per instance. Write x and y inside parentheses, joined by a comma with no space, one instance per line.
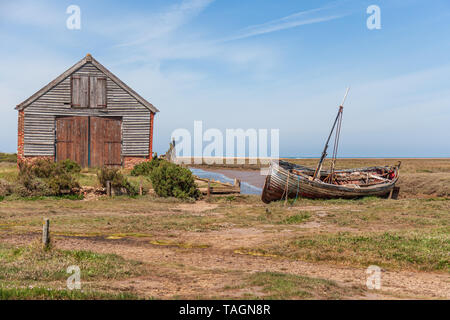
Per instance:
(39,293)
(288,286)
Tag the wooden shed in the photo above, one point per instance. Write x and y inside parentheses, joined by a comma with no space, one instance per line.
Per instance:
(88,115)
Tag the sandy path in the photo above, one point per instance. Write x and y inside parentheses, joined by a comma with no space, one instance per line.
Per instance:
(215,261)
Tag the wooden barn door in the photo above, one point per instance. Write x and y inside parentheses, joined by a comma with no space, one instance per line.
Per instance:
(72,139)
(105,141)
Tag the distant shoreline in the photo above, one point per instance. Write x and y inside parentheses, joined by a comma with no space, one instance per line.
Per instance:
(410,158)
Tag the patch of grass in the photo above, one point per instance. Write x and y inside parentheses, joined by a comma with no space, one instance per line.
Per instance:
(38,198)
(236,199)
(288,286)
(39,293)
(8,171)
(183,245)
(414,250)
(8,157)
(296,218)
(33,263)
(88,179)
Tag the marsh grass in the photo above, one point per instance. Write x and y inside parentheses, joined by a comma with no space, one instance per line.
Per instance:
(296,218)
(39,198)
(8,157)
(282,286)
(32,263)
(8,171)
(416,250)
(40,293)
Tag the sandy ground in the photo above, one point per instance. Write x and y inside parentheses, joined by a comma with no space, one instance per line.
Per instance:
(205,271)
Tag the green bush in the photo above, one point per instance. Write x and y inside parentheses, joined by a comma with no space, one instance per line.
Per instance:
(6,188)
(71,166)
(40,168)
(118,181)
(29,181)
(170,180)
(145,168)
(63,183)
(45,178)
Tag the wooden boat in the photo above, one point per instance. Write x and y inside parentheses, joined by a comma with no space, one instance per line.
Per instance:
(287,180)
(290,180)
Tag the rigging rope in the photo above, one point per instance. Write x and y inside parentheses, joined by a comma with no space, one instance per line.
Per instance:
(298,189)
(336,145)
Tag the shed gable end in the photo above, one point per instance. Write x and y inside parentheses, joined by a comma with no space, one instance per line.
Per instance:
(88,60)
(40,116)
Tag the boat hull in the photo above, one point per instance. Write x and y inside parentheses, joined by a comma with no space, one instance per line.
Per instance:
(281,181)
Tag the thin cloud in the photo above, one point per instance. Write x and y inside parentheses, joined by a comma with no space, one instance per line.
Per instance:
(170,20)
(291,21)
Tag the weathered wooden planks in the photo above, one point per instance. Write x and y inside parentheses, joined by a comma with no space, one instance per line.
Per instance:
(105,146)
(90,141)
(41,114)
(72,139)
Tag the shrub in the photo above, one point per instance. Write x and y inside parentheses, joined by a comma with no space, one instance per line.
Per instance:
(40,168)
(63,183)
(145,168)
(71,166)
(118,181)
(29,183)
(6,188)
(170,180)
(45,178)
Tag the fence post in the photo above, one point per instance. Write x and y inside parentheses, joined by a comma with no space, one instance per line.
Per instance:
(46,233)
(108,188)
(209,189)
(237,183)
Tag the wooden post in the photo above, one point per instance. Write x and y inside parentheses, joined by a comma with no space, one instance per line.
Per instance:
(108,188)
(209,189)
(46,233)
(394,193)
(237,183)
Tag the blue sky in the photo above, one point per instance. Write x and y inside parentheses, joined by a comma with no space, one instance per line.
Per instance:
(251,64)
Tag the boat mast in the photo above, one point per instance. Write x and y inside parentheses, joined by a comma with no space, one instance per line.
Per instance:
(324,152)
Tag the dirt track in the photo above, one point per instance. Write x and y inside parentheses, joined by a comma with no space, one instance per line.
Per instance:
(204,272)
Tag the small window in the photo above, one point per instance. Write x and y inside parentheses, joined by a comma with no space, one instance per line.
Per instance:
(88,92)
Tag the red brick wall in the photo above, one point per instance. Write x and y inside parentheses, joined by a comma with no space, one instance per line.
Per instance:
(20,132)
(31,159)
(130,162)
